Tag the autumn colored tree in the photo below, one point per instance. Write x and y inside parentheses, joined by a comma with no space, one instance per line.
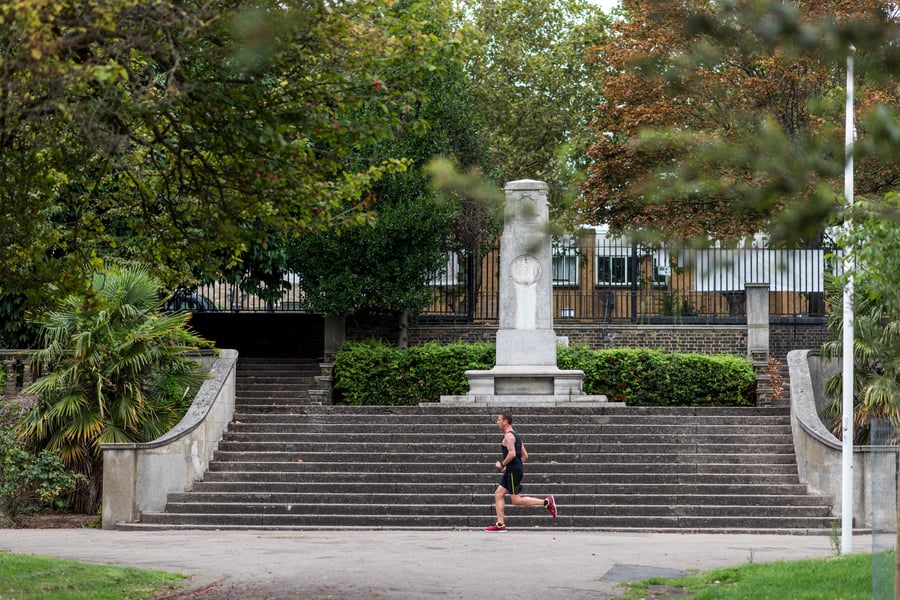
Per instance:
(726,118)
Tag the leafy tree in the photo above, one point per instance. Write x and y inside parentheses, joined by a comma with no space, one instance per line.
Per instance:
(116,373)
(534,88)
(726,118)
(181,133)
(385,266)
(15,331)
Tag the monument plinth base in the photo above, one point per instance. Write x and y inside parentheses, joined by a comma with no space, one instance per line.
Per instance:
(512,401)
(524,385)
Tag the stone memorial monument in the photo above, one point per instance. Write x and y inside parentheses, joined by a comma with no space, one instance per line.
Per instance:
(526,372)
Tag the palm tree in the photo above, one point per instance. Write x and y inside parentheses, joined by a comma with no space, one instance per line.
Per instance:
(117,373)
(876,379)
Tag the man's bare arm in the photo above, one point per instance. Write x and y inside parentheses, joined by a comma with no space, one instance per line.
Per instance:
(509,442)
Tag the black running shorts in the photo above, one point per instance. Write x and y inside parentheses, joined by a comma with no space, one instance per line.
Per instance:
(512,481)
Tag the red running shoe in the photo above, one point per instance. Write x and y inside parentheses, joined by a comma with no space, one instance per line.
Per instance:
(550,504)
(496,528)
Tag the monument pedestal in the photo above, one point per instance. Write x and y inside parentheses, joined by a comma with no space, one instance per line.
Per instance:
(526,385)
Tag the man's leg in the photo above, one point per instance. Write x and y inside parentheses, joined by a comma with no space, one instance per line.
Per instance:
(549,503)
(500,503)
(520,500)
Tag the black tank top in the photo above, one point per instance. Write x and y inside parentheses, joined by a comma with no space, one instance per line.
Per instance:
(516,463)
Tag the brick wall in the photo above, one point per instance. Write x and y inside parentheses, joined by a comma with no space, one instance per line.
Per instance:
(704,339)
(797,335)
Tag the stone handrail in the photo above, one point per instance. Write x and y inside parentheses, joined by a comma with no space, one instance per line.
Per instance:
(819,452)
(139,477)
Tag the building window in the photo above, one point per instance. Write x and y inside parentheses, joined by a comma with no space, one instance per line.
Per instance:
(613,270)
(565,262)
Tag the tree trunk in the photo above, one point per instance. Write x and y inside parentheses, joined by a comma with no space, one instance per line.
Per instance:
(89,496)
(403,337)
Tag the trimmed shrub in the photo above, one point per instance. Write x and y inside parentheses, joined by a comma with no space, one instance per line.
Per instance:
(642,377)
(373,373)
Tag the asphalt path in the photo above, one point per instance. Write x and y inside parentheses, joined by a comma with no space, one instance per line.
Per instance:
(406,565)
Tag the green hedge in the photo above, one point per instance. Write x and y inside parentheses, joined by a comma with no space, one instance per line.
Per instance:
(641,377)
(375,373)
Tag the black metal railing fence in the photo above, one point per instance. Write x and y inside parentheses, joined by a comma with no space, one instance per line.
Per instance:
(604,280)
(614,282)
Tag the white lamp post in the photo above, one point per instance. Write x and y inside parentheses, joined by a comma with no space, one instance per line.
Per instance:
(847,351)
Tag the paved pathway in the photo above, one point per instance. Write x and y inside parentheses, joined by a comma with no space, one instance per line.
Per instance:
(408,565)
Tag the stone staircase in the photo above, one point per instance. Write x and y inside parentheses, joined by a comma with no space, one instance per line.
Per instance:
(278,382)
(287,464)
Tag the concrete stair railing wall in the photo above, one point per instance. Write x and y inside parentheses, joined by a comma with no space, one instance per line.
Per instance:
(137,477)
(820,453)
(287,464)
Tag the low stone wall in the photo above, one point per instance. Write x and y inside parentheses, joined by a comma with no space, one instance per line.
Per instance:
(18,371)
(819,452)
(139,477)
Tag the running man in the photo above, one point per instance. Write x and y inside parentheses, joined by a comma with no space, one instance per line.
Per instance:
(514,454)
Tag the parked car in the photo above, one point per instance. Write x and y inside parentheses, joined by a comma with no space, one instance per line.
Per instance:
(185,301)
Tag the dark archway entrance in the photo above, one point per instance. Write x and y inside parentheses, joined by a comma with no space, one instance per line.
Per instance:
(264,335)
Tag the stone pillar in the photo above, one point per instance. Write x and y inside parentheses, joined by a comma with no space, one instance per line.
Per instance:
(758,337)
(525,335)
(335,335)
(757,322)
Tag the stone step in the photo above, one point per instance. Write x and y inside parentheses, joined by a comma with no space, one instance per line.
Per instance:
(631,413)
(581,479)
(415,462)
(267,362)
(478,507)
(280,400)
(375,442)
(549,449)
(280,494)
(272,384)
(341,471)
(355,430)
(245,374)
(299,413)
(487,486)
(356,454)
(515,520)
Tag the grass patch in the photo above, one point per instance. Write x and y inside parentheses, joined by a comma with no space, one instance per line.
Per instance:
(842,578)
(23,577)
